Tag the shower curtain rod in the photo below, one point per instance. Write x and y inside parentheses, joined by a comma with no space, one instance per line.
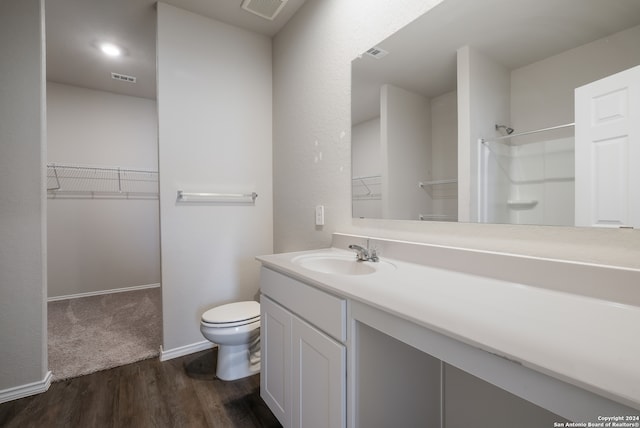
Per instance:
(519,134)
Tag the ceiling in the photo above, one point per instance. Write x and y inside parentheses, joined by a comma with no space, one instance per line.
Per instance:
(422,56)
(75,27)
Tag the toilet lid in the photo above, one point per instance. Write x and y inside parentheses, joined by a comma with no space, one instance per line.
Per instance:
(232,313)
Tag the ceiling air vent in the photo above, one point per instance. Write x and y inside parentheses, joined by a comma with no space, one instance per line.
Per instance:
(376,52)
(123,77)
(267,9)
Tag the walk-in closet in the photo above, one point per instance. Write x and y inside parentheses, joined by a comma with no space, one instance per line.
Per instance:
(103,245)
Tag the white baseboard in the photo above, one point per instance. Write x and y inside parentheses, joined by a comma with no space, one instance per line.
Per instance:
(101,292)
(26,390)
(184,350)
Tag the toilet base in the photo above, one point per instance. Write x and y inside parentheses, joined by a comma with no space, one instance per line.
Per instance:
(237,362)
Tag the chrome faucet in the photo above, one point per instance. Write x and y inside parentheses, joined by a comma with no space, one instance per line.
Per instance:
(365,254)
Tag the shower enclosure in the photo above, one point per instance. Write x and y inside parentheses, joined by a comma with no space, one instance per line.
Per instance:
(528,177)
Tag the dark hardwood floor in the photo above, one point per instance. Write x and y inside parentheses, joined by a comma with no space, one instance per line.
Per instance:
(177,393)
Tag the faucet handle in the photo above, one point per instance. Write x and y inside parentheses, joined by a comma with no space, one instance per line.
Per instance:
(361,253)
(365,254)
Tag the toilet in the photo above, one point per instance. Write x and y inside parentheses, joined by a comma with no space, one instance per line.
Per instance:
(235,328)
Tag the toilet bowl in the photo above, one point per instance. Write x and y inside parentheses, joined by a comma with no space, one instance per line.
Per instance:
(235,328)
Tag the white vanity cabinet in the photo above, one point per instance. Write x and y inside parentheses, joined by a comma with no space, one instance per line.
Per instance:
(275,364)
(436,347)
(303,368)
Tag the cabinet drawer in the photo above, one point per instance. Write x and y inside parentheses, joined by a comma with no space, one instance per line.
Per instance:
(323,310)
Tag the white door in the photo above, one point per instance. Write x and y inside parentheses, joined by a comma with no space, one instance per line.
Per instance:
(607,151)
(319,379)
(275,369)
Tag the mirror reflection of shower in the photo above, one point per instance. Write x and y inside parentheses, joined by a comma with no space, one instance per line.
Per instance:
(506,129)
(528,177)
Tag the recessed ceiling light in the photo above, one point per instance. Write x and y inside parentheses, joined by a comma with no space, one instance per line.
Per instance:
(110,49)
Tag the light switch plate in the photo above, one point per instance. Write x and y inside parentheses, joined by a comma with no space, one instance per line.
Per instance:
(320,215)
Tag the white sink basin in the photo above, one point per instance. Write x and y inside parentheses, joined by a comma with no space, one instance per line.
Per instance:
(340,264)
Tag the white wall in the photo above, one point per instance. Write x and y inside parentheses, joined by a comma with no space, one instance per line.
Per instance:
(312,78)
(366,162)
(444,136)
(542,93)
(23,332)
(214,104)
(396,384)
(366,148)
(405,139)
(434,157)
(444,154)
(101,244)
(312,97)
(471,401)
(484,102)
(101,128)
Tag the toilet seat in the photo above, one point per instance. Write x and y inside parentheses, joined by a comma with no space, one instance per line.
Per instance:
(232,315)
(235,329)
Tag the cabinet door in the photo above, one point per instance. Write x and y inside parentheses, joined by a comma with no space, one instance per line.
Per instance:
(319,378)
(275,364)
(608,151)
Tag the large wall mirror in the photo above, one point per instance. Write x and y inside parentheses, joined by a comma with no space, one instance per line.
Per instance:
(469,113)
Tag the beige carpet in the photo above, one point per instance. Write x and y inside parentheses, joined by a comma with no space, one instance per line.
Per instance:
(95,333)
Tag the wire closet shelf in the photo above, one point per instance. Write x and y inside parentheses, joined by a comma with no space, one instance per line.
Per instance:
(366,188)
(75,181)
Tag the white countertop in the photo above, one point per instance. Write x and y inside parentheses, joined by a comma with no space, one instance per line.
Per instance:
(589,342)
